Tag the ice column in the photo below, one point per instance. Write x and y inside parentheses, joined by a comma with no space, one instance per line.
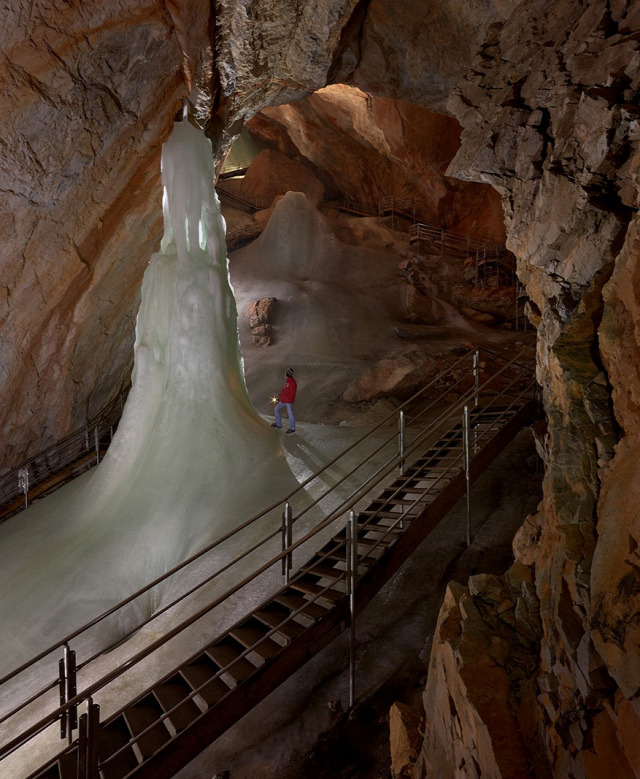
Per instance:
(190,459)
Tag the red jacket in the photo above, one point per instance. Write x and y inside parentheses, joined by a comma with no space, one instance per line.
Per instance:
(288,392)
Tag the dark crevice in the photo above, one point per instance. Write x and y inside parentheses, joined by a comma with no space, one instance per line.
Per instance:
(352,31)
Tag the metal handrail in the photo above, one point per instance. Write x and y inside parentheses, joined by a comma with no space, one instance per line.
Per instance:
(336,513)
(224,189)
(65,452)
(159,580)
(420,229)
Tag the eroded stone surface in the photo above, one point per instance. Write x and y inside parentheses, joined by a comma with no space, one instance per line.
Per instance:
(371,148)
(80,183)
(547,118)
(272,174)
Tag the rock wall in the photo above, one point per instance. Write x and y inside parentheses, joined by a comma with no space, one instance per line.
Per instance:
(366,148)
(551,120)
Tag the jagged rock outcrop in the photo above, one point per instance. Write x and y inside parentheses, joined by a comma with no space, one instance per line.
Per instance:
(405,738)
(396,376)
(550,118)
(260,313)
(369,148)
(480,701)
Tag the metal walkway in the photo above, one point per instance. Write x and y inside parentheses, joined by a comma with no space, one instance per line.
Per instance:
(360,542)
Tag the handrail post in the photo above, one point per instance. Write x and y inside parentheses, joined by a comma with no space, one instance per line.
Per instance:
(467,468)
(287,540)
(23,484)
(96,442)
(88,741)
(67,686)
(401,440)
(352,573)
(476,374)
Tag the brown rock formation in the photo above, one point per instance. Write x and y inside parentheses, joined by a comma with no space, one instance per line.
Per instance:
(397,376)
(475,721)
(272,173)
(79,176)
(367,148)
(405,736)
(260,313)
(558,139)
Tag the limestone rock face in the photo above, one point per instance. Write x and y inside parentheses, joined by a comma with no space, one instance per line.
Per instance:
(422,49)
(548,118)
(271,174)
(398,376)
(368,148)
(405,735)
(478,700)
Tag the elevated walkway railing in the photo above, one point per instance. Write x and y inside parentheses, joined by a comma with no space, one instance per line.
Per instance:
(238,568)
(231,194)
(355,208)
(447,240)
(78,451)
(423,235)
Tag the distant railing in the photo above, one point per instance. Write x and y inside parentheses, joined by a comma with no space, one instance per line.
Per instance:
(457,242)
(235,167)
(355,208)
(83,448)
(396,206)
(231,195)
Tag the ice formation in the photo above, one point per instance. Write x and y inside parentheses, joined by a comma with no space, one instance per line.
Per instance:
(188,436)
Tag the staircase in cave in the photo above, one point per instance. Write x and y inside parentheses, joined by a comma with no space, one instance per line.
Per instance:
(163,729)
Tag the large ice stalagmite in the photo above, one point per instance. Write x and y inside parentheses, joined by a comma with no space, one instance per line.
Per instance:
(191,458)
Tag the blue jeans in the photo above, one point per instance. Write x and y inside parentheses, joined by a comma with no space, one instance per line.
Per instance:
(278,412)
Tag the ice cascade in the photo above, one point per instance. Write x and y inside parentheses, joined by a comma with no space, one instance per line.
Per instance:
(191,457)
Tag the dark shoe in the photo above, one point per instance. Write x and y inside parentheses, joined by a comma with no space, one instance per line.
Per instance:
(273,424)
(289,432)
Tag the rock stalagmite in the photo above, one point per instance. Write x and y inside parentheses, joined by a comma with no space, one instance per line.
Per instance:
(260,313)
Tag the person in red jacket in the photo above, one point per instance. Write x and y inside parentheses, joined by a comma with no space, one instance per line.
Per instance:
(285,400)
